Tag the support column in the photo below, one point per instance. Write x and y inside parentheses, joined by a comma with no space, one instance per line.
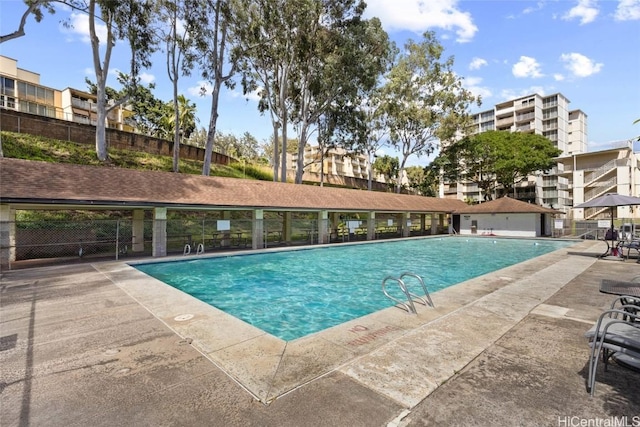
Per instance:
(333,227)
(323,227)
(286,225)
(225,238)
(159,239)
(423,223)
(434,224)
(406,229)
(371,226)
(137,231)
(257,229)
(7,236)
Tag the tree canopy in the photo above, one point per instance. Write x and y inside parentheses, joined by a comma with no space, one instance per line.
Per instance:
(493,158)
(424,99)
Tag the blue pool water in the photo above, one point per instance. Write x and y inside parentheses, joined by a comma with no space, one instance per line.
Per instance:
(295,293)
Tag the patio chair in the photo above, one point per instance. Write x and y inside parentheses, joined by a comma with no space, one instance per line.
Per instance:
(616,336)
(630,245)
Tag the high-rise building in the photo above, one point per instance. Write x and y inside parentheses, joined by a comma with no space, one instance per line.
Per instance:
(549,116)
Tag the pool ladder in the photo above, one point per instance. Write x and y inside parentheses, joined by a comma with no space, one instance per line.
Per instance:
(411,297)
(187,249)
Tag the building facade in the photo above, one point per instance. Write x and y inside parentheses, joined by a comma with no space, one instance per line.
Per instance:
(336,162)
(21,90)
(549,116)
(593,174)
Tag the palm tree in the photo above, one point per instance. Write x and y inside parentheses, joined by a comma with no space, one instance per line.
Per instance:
(186,116)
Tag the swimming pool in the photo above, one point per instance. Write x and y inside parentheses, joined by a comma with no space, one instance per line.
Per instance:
(291,294)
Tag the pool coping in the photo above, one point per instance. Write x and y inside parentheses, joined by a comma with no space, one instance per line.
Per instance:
(431,343)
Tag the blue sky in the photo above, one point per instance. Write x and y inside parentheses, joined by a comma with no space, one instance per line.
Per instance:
(587,50)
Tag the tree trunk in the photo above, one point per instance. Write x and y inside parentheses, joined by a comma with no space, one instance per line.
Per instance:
(369,173)
(211,134)
(101,71)
(276,151)
(176,130)
(283,111)
(301,144)
(101,131)
(321,167)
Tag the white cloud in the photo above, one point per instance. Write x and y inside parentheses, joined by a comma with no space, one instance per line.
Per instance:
(585,10)
(201,89)
(628,10)
(558,77)
(476,63)
(507,94)
(147,78)
(251,96)
(79,26)
(579,65)
(539,5)
(527,67)
(419,16)
(473,85)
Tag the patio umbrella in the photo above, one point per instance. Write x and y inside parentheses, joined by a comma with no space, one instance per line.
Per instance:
(610,200)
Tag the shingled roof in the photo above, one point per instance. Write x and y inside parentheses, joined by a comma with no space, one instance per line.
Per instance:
(43,183)
(505,205)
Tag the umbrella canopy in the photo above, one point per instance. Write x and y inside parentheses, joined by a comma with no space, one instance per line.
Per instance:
(610,200)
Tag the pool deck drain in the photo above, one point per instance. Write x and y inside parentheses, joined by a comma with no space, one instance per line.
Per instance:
(404,357)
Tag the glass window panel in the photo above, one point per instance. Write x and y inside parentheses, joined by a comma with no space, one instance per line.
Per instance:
(8,86)
(31,92)
(49,96)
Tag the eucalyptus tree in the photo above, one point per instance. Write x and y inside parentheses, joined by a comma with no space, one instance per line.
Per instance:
(208,24)
(263,34)
(425,100)
(172,15)
(375,129)
(340,57)
(124,20)
(302,57)
(37,9)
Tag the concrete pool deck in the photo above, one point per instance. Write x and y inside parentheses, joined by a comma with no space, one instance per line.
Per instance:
(103,344)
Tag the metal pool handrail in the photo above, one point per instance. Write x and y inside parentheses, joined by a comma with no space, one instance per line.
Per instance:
(409,307)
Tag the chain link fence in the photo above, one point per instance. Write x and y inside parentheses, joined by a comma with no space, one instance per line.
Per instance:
(119,238)
(89,238)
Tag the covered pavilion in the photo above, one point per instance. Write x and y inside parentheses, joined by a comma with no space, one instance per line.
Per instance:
(34,185)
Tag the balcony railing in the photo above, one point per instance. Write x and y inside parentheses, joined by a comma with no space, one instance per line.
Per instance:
(506,121)
(601,189)
(525,117)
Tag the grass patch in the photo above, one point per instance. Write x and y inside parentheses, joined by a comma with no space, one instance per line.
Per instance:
(33,147)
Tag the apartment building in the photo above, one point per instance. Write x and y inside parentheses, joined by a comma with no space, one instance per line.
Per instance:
(21,90)
(593,174)
(549,116)
(337,162)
